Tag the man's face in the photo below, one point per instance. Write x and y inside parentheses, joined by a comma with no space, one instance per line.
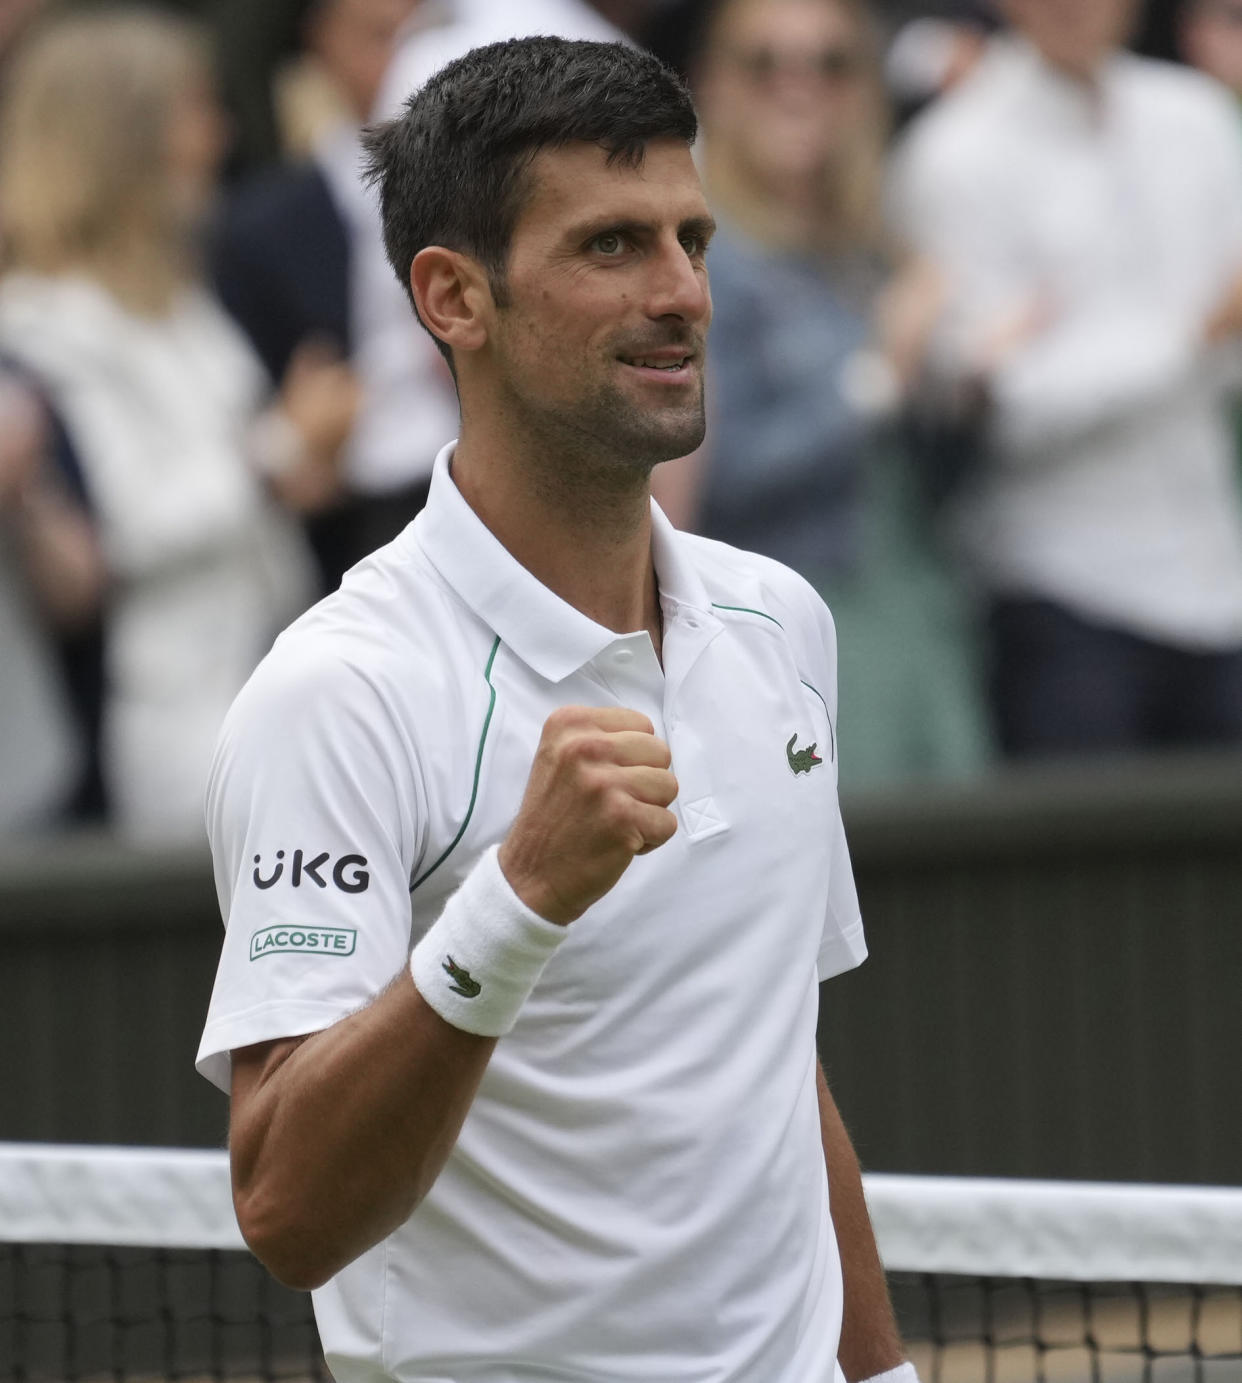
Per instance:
(784,83)
(599,347)
(1074,34)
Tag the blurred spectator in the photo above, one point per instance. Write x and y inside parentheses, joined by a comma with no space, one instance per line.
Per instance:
(286,248)
(1210,34)
(797,463)
(50,580)
(930,55)
(1211,40)
(409,406)
(110,140)
(50,587)
(1086,208)
(14,17)
(344,48)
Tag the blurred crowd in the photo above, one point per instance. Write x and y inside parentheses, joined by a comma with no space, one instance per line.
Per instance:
(974,364)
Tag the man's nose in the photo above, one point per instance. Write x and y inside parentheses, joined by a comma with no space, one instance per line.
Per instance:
(678,285)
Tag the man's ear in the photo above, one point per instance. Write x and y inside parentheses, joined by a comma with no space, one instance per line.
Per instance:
(453,296)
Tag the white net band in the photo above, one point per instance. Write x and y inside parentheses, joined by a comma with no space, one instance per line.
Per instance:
(986,1227)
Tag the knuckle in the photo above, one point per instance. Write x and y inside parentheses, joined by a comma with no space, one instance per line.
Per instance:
(594,782)
(568,749)
(617,809)
(566,718)
(591,745)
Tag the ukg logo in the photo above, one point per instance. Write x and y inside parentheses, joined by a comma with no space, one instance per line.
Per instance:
(349,873)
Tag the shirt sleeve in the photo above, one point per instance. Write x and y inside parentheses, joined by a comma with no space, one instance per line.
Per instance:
(313,812)
(842,944)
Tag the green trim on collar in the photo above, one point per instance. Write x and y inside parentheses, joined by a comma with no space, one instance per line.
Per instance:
(746,610)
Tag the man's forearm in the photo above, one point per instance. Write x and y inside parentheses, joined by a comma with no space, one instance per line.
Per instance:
(870,1343)
(336,1139)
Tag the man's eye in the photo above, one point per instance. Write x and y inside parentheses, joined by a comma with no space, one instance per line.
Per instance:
(610,243)
(694,245)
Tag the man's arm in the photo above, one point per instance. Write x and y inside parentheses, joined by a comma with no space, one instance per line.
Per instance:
(336,1137)
(870,1344)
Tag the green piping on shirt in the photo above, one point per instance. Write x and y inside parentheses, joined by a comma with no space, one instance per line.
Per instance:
(828,714)
(746,610)
(478,769)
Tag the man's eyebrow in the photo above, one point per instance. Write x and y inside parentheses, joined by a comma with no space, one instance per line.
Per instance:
(702,226)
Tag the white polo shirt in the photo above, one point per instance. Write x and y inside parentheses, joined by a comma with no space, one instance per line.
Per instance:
(638,1192)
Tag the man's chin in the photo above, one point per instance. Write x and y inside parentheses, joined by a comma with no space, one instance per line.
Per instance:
(655,439)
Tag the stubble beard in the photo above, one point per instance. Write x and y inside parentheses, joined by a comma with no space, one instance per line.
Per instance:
(641,438)
(603,447)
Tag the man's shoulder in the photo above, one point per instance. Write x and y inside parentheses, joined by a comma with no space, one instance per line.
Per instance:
(748,582)
(391,641)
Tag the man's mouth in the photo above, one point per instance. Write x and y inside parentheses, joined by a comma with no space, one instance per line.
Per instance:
(667,362)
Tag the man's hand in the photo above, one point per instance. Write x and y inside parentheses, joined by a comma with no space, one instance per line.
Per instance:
(598,794)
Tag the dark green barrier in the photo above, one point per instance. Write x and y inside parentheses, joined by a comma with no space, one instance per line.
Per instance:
(1054,989)
(1055,980)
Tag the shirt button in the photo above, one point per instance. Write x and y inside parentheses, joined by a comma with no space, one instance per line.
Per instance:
(623,656)
(691,622)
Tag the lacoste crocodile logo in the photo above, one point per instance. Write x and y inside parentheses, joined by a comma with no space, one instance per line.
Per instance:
(801,760)
(463,983)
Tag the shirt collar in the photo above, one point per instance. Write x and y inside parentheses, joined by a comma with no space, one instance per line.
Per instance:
(546,632)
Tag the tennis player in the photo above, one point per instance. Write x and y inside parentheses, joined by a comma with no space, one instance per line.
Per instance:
(527,840)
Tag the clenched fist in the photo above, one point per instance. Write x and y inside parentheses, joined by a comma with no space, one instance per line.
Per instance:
(598,794)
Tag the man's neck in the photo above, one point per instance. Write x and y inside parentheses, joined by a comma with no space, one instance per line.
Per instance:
(590,545)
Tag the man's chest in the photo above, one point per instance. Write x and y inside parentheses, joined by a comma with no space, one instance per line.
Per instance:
(746,875)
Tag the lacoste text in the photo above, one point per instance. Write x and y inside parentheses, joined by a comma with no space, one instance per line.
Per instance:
(323,941)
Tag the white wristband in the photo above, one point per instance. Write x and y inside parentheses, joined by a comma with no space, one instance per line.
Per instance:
(903,1373)
(478,963)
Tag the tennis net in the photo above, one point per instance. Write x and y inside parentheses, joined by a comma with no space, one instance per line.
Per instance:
(126,1264)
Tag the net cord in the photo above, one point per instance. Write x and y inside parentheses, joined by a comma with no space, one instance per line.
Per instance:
(977,1226)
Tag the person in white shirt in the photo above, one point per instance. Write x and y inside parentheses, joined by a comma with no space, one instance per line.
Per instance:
(519,1027)
(111,138)
(1085,209)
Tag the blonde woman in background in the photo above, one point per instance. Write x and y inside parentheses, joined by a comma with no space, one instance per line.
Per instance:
(110,139)
(802,459)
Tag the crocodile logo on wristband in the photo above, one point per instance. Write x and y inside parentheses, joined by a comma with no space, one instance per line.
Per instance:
(463,983)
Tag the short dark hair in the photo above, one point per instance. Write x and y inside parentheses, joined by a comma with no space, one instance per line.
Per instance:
(451,167)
